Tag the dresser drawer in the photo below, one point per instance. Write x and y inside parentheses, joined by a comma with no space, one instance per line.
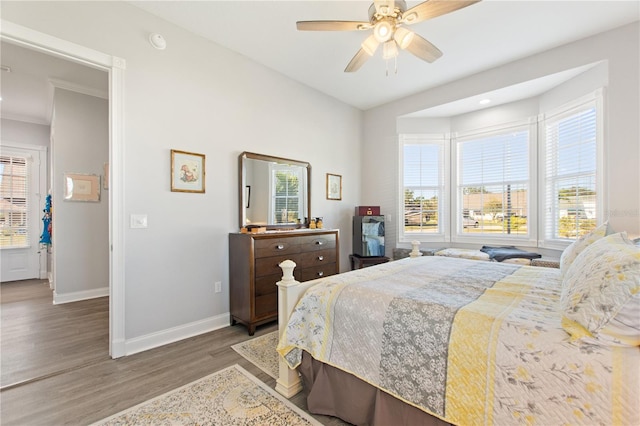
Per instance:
(317,242)
(270,265)
(316,258)
(320,271)
(275,247)
(267,284)
(266,306)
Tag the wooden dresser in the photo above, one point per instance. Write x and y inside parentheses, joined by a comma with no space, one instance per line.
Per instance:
(254,270)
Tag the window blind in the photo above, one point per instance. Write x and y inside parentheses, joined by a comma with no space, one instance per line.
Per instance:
(571,172)
(493,183)
(423,190)
(13,201)
(287,201)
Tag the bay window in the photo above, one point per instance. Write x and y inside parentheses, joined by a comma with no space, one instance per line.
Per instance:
(537,182)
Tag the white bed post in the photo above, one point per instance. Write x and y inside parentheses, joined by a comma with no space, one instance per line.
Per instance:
(289,291)
(415,249)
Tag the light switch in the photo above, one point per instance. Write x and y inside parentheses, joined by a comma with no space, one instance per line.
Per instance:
(138,221)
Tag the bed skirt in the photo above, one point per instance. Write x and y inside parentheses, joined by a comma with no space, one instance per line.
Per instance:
(333,392)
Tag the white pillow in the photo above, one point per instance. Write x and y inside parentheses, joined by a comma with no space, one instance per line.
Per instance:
(624,328)
(601,289)
(575,248)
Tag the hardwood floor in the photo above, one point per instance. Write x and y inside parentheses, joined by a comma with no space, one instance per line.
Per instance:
(39,338)
(76,385)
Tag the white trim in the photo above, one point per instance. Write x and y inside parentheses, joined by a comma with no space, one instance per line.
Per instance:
(76,296)
(67,85)
(25,119)
(29,38)
(170,335)
(490,130)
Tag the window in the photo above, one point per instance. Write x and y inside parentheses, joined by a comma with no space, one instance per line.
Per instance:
(506,179)
(423,186)
(571,170)
(493,183)
(13,201)
(286,197)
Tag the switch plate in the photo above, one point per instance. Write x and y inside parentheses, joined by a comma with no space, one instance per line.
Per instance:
(218,285)
(138,221)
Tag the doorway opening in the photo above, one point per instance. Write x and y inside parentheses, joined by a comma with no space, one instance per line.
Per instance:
(114,66)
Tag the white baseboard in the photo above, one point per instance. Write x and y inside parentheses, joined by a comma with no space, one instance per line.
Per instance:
(76,296)
(118,348)
(164,337)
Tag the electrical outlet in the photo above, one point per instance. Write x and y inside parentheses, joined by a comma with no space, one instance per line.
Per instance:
(218,286)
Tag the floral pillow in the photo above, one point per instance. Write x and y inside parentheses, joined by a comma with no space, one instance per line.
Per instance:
(601,291)
(574,249)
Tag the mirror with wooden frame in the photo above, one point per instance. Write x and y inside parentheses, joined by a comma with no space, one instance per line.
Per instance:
(275,192)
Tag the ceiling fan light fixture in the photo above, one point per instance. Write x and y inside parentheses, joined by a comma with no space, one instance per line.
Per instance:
(389,50)
(403,37)
(370,45)
(383,31)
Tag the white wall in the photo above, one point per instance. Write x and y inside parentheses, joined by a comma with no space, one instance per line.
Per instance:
(618,49)
(80,144)
(23,132)
(199,97)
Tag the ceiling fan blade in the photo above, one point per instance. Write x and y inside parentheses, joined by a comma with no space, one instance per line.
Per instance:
(332,25)
(433,8)
(357,61)
(423,49)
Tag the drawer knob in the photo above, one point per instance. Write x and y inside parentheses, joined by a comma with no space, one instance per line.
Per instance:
(320,273)
(279,247)
(319,243)
(320,258)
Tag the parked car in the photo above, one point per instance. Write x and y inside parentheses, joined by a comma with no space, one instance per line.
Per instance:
(468,221)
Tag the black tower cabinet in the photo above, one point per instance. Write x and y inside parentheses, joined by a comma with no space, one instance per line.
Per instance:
(368,236)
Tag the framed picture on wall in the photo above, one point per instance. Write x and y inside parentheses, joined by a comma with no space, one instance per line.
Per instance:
(187,171)
(81,187)
(334,187)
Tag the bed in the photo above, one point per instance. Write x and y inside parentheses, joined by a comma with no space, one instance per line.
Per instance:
(437,340)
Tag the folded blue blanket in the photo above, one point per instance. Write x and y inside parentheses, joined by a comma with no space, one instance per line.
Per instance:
(509,252)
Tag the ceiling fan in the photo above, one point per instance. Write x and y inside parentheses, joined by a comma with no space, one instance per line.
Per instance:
(388,19)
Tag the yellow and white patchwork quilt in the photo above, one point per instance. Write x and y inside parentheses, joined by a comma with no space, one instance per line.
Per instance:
(470,342)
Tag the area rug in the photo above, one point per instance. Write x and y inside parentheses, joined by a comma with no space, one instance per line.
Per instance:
(261,351)
(229,397)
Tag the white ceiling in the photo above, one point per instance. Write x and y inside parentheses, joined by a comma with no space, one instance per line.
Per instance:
(473,39)
(27,89)
(476,38)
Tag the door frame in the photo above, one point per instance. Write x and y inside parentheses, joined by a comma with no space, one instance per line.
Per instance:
(36,196)
(115,67)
